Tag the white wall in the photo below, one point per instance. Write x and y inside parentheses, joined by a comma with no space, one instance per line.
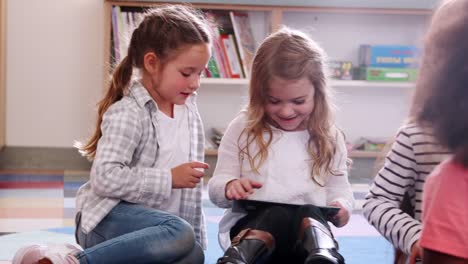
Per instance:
(53,70)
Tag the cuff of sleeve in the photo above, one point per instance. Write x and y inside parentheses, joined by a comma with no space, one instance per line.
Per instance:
(413,240)
(157,184)
(219,193)
(346,204)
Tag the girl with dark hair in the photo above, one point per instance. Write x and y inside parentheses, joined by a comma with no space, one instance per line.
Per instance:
(444,109)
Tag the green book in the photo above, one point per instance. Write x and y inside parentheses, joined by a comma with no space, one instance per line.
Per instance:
(213,68)
(389,74)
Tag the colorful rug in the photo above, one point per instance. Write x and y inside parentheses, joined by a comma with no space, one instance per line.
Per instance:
(38,207)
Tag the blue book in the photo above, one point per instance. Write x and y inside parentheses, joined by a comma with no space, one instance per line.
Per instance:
(389,56)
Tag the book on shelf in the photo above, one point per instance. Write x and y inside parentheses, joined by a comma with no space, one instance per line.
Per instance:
(228,46)
(225,49)
(388,56)
(212,70)
(245,40)
(389,74)
(123,23)
(225,62)
(217,52)
(115,13)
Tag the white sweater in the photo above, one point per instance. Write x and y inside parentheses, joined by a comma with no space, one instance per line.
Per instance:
(285,175)
(413,156)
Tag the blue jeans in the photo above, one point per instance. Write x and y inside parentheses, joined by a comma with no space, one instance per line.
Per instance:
(133,233)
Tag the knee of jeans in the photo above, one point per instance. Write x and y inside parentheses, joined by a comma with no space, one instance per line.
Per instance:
(183,232)
(197,255)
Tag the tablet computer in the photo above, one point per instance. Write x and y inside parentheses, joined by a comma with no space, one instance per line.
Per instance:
(244,206)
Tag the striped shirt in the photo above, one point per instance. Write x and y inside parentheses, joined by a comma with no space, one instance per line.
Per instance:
(413,156)
(124,166)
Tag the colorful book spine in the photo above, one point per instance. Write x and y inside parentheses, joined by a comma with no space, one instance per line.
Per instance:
(218,54)
(388,56)
(244,38)
(213,68)
(229,50)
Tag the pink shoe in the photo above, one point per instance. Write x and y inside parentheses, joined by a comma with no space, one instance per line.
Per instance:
(29,254)
(54,254)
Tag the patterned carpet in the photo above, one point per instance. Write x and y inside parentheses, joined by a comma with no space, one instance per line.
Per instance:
(37,206)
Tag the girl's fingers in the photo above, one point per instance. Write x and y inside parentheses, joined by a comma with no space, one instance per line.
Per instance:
(200,165)
(247,187)
(240,190)
(255,184)
(198,173)
(195,180)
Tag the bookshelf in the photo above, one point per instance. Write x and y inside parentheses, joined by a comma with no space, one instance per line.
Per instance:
(351,154)
(323,19)
(220,83)
(366,109)
(2,72)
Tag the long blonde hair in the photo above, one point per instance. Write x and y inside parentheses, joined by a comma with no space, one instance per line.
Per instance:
(164,31)
(290,55)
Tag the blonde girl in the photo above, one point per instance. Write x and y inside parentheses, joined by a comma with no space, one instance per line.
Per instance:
(284,148)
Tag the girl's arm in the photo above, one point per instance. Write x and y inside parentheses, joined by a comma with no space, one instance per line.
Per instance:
(382,206)
(113,175)
(228,164)
(338,188)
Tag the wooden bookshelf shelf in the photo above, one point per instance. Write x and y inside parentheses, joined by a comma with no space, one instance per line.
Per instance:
(227,82)
(211,152)
(363,154)
(358,83)
(352,154)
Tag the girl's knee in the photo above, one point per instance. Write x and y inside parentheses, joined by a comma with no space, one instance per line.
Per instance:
(183,233)
(196,256)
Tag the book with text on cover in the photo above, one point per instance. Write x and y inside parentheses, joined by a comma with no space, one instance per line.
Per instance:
(244,38)
(388,56)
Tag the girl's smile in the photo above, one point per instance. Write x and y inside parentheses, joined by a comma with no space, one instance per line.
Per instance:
(290,103)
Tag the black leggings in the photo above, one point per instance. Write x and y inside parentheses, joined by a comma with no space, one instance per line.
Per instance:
(283,222)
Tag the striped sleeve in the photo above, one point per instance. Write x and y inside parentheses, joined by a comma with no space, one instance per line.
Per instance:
(382,207)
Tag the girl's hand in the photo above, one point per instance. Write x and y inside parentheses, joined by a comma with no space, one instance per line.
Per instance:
(188,175)
(416,253)
(241,188)
(342,217)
